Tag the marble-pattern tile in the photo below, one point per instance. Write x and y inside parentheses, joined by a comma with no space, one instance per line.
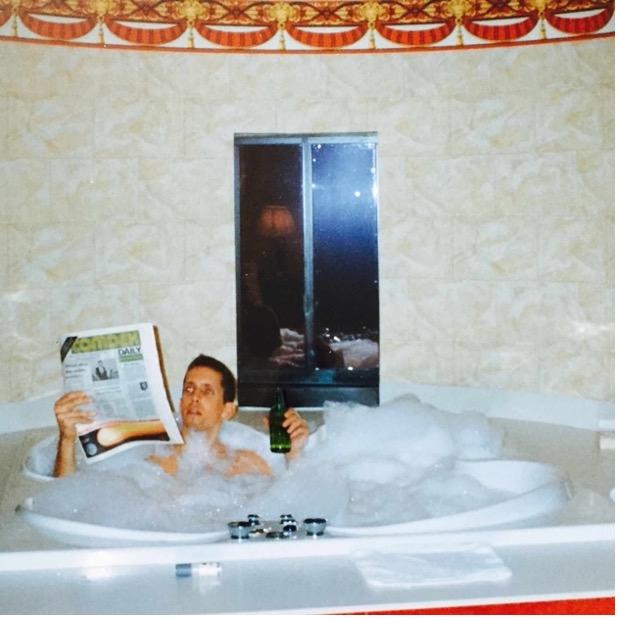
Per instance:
(25,191)
(420,247)
(92,190)
(207,76)
(210,126)
(569,119)
(143,127)
(574,250)
(594,182)
(25,71)
(209,252)
(128,252)
(577,313)
(74,308)
(196,311)
(394,315)
(433,363)
(410,126)
(503,249)
(451,186)
(34,375)
(333,116)
(179,189)
(503,123)
(460,73)
(50,256)
(54,127)
(348,78)
(28,322)
(518,309)
(280,79)
(577,369)
(534,184)
(508,368)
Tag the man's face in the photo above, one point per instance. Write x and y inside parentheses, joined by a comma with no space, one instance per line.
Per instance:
(202,402)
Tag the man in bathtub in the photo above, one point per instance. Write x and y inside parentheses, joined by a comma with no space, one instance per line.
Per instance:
(208,400)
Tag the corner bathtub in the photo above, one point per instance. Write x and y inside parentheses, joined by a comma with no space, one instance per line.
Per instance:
(561,479)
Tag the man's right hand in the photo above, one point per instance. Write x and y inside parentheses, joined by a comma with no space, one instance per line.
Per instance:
(68,414)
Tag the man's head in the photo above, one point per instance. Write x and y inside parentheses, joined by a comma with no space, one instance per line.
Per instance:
(208,397)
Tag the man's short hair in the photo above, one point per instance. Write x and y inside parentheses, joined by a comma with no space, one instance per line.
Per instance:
(229,385)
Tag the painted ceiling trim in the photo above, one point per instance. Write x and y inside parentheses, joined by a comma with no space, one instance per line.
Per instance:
(318,26)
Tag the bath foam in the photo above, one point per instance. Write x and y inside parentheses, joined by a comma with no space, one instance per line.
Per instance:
(369,466)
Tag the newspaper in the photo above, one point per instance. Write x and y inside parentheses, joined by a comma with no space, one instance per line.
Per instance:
(121,369)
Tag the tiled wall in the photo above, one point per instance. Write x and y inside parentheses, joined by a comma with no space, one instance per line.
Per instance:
(496,198)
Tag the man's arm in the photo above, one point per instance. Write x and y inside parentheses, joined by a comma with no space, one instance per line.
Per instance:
(67,416)
(297,428)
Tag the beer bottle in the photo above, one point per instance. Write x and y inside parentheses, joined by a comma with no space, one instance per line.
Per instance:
(279,439)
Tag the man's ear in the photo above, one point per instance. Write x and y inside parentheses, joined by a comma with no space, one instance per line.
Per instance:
(229,411)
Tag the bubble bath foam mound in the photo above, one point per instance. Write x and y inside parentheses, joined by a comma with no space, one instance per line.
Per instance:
(367,466)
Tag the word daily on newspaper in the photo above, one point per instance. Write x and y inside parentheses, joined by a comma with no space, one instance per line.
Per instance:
(120,369)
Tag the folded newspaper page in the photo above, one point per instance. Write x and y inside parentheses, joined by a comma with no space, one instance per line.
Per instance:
(121,369)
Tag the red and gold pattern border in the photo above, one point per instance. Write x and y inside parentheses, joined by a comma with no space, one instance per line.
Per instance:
(303,25)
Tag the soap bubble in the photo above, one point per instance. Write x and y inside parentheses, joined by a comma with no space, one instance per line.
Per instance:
(366,466)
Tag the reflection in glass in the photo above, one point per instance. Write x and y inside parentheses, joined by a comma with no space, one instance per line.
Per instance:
(345,256)
(272,279)
(308,303)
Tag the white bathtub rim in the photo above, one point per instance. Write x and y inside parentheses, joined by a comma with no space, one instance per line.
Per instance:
(68,530)
(549,493)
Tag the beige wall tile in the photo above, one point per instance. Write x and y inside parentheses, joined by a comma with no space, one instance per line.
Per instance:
(128,252)
(518,308)
(348,78)
(50,256)
(494,124)
(534,184)
(451,186)
(410,126)
(52,127)
(511,368)
(394,315)
(431,363)
(569,119)
(34,375)
(117,202)
(76,308)
(594,182)
(24,188)
(177,189)
(577,369)
(577,313)
(195,311)
(25,72)
(574,250)
(501,249)
(421,248)
(28,322)
(335,116)
(186,75)
(277,79)
(93,190)
(460,73)
(209,252)
(210,126)
(126,124)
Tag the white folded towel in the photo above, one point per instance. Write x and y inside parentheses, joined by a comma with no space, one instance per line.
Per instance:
(436,566)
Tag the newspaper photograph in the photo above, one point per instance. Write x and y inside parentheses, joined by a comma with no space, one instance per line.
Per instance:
(121,369)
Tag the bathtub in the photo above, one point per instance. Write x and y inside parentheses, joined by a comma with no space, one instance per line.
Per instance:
(556,535)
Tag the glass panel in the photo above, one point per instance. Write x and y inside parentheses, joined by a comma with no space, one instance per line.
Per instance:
(346,300)
(271,255)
